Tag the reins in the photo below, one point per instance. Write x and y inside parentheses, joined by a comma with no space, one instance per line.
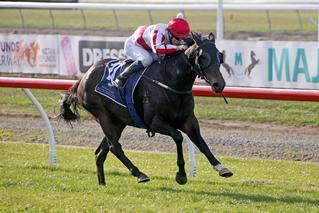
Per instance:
(197,69)
(160,84)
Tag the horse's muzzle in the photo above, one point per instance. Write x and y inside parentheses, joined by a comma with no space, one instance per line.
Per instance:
(218,87)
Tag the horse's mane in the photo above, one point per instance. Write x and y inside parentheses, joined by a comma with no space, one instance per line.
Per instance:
(199,37)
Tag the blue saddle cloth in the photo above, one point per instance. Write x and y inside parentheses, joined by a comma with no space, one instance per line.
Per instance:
(107,87)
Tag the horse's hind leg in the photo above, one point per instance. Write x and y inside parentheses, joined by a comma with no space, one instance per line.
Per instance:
(117,150)
(112,129)
(100,156)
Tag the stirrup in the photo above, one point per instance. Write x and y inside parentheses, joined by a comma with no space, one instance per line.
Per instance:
(150,133)
(116,83)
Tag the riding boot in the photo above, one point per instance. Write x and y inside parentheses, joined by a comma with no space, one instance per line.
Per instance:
(130,70)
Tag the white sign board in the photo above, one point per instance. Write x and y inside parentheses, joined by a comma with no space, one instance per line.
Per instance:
(29,54)
(271,64)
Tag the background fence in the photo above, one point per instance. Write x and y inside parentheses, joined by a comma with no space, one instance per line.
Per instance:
(303,22)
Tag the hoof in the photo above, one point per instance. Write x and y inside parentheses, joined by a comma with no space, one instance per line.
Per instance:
(225,173)
(101,180)
(181,178)
(143,178)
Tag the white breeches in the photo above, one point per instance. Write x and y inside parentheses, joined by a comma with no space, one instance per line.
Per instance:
(137,53)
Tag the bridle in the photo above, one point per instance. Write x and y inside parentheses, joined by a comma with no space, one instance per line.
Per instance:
(198,69)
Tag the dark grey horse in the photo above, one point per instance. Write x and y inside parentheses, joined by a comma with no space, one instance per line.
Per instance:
(163,99)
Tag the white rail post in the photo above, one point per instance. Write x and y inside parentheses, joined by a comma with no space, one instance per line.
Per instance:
(47,124)
(192,157)
(220,21)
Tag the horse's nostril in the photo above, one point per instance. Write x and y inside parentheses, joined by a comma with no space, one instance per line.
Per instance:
(215,85)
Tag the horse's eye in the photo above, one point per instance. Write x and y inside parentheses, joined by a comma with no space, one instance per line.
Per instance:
(204,60)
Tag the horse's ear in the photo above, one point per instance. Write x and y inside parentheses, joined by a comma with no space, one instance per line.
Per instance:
(211,37)
(192,34)
(196,37)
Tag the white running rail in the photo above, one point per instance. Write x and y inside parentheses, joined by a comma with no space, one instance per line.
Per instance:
(299,5)
(47,124)
(99,6)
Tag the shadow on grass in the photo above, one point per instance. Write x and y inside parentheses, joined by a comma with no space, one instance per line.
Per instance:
(73,170)
(246,197)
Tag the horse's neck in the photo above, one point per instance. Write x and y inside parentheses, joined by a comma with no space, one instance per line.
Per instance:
(180,74)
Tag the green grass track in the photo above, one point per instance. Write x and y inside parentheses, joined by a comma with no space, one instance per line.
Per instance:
(27,184)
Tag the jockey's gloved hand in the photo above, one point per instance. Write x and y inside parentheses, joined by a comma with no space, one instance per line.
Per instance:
(181,47)
(182,42)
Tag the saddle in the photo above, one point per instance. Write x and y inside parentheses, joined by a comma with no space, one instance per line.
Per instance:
(107,87)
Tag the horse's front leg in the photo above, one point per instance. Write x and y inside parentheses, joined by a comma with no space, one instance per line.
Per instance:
(162,127)
(191,128)
(181,177)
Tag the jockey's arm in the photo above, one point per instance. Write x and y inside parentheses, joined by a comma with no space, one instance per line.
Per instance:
(158,42)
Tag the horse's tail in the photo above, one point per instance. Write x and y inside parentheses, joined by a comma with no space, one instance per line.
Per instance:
(69,103)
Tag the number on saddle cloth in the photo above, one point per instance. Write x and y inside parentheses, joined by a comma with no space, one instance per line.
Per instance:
(107,87)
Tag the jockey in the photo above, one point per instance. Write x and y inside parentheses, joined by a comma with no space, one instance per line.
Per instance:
(149,42)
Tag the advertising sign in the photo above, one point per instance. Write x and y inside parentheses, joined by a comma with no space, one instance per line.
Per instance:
(79,53)
(275,64)
(271,64)
(28,54)
(93,51)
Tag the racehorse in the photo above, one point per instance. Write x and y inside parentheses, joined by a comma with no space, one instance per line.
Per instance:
(163,99)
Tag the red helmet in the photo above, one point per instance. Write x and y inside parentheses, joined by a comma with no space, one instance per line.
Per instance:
(178,27)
